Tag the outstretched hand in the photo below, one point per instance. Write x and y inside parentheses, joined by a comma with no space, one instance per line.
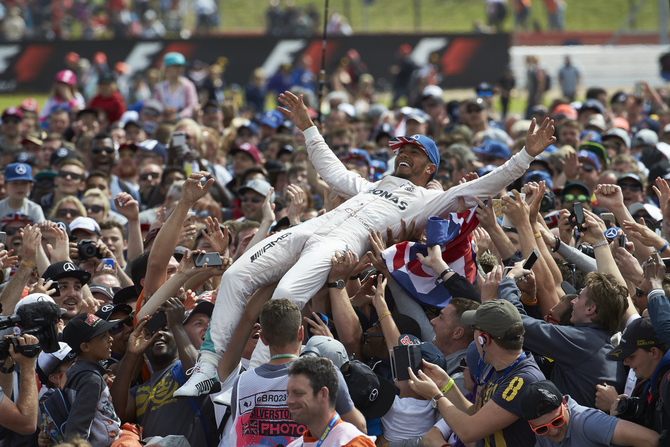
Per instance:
(295,110)
(537,140)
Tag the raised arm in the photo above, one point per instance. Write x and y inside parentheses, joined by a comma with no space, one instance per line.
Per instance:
(128,207)
(344,182)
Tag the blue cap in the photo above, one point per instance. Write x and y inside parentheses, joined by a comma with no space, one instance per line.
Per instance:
(550,149)
(593,104)
(357,154)
(155,147)
(173,58)
(494,148)
(18,171)
(538,176)
(591,156)
(273,119)
(251,126)
(594,137)
(486,169)
(420,141)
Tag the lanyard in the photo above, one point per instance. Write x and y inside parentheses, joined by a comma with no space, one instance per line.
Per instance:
(326,432)
(509,368)
(284,356)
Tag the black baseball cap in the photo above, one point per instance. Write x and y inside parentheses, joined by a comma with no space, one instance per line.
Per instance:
(372,394)
(639,334)
(536,393)
(105,312)
(83,328)
(202,307)
(126,295)
(66,269)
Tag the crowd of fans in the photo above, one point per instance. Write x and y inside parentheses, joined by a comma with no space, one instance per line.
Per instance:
(189,221)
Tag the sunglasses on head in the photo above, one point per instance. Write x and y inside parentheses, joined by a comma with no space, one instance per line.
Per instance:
(245,199)
(631,187)
(93,209)
(572,198)
(544,429)
(149,175)
(99,150)
(65,212)
(72,175)
(118,327)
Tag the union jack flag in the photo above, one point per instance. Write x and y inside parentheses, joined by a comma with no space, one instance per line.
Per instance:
(453,235)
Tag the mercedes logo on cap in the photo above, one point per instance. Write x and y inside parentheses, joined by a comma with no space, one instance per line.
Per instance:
(107,308)
(62,152)
(20,169)
(373,395)
(68,267)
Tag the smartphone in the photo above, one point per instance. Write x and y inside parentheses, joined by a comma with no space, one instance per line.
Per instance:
(109,263)
(506,270)
(622,241)
(211,259)
(608,218)
(403,357)
(54,286)
(3,237)
(191,167)
(638,89)
(579,216)
(156,322)
(532,257)
(178,139)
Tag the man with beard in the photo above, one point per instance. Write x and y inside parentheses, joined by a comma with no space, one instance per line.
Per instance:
(70,181)
(299,259)
(152,404)
(103,158)
(126,168)
(71,284)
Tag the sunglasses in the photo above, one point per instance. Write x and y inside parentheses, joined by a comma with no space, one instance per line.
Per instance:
(149,175)
(118,327)
(632,188)
(475,109)
(100,150)
(544,429)
(72,175)
(67,212)
(210,111)
(549,318)
(340,147)
(204,214)
(11,120)
(93,209)
(12,230)
(245,134)
(588,168)
(245,199)
(485,93)
(572,198)
(639,292)
(150,112)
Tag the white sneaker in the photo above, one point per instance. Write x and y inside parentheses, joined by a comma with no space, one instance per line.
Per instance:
(203,380)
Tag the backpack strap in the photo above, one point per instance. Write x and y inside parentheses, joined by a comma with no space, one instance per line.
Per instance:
(180,377)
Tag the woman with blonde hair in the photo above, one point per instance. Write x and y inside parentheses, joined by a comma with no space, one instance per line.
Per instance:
(68,209)
(64,95)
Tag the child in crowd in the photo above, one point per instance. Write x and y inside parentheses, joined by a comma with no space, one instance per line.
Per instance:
(19,182)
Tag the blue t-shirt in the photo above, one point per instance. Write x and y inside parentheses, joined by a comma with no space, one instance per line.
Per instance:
(588,427)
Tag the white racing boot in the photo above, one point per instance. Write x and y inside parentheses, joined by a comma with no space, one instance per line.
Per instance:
(203,378)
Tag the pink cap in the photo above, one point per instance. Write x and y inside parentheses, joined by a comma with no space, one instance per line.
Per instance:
(66,76)
(249,149)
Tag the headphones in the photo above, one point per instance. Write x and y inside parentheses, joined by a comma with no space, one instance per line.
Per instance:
(482,339)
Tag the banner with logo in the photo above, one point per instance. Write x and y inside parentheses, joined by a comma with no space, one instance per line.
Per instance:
(462,60)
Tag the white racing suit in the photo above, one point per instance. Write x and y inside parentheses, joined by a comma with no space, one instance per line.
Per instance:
(300,257)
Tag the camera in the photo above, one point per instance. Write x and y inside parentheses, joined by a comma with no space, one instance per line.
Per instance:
(548,201)
(37,319)
(632,408)
(87,250)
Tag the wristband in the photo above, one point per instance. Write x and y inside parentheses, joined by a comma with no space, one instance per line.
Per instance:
(7,370)
(448,270)
(384,315)
(600,244)
(525,300)
(448,386)
(28,264)
(557,245)
(662,249)
(538,235)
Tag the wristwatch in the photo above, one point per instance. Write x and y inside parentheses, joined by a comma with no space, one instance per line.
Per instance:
(339,284)
(434,400)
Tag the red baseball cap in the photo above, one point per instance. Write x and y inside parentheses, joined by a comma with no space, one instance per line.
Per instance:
(12,111)
(249,149)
